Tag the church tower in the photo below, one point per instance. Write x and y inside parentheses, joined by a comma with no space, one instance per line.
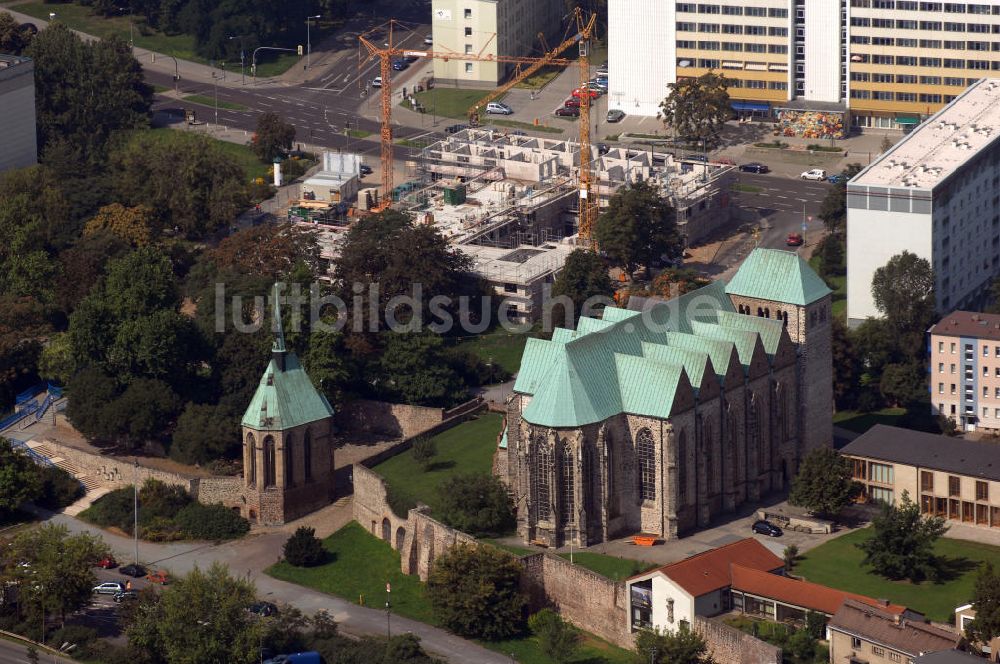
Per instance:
(777,284)
(288,468)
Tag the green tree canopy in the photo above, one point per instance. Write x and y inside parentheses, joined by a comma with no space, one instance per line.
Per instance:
(304,549)
(903,290)
(902,545)
(824,483)
(638,227)
(477,503)
(20,480)
(273,137)
(584,276)
(833,210)
(698,108)
(14,37)
(847,367)
(559,639)
(413,369)
(904,383)
(475,592)
(680,646)
(206,432)
(986,603)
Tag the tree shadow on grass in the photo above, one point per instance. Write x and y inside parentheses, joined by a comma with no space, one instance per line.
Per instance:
(949,569)
(440,465)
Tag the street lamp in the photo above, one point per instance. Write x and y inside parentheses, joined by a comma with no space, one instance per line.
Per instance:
(215,87)
(243,74)
(130,24)
(309,41)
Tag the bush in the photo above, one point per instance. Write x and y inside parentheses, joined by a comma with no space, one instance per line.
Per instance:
(211,522)
(81,635)
(478,504)
(59,489)
(400,502)
(159,499)
(160,529)
(304,549)
(423,451)
(113,510)
(558,639)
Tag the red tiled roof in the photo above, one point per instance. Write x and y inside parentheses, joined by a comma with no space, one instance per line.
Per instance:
(799,593)
(968,324)
(704,572)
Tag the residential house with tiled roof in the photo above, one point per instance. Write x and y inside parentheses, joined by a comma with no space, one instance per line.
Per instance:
(657,417)
(863,634)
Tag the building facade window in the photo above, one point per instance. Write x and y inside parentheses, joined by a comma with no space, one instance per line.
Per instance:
(289,461)
(307,456)
(880,472)
(251,460)
(926,481)
(682,468)
(982,491)
(646,451)
(568,466)
(954,486)
(270,477)
(542,485)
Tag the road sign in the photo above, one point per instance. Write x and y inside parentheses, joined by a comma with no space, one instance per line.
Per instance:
(809,218)
(803,226)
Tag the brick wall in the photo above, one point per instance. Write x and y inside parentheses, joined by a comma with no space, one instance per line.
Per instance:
(585,598)
(391,420)
(729,645)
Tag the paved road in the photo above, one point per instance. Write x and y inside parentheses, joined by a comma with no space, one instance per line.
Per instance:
(12,652)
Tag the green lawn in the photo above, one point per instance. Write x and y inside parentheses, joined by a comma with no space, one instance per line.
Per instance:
(611,567)
(861,422)
(207,100)
(517,124)
(499,346)
(466,448)
(242,154)
(450,102)
(747,188)
(182,46)
(838,564)
(358,133)
(360,565)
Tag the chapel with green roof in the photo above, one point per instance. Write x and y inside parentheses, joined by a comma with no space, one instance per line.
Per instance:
(656,418)
(288,468)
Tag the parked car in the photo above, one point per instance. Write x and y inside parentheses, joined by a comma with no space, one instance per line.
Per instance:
(602,70)
(429,39)
(603,149)
(263,609)
(616,115)
(365,169)
(125,595)
(568,112)
(755,167)
(377,82)
(838,178)
(598,83)
(159,576)
(498,108)
(594,94)
(572,103)
(133,570)
(311,657)
(411,58)
(455,128)
(794,240)
(697,157)
(400,65)
(814,174)
(107,562)
(764,527)
(108,588)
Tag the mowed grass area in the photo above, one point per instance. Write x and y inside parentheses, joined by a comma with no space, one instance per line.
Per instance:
(360,565)
(180,46)
(242,154)
(206,100)
(450,102)
(611,567)
(838,564)
(861,422)
(466,448)
(498,346)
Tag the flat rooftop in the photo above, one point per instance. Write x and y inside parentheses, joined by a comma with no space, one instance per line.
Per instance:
(521,265)
(939,146)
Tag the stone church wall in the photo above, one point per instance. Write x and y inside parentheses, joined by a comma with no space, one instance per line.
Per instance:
(225,490)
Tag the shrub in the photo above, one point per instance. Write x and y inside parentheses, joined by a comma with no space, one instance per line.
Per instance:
(112,510)
(400,502)
(159,499)
(423,451)
(59,489)
(160,529)
(81,635)
(477,504)
(211,522)
(558,639)
(304,549)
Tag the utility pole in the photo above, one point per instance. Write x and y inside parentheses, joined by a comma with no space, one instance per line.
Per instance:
(388,630)
(135,507)
(309,41)
(243,59)
(215,87)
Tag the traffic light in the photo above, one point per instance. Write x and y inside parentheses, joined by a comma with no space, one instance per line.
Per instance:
(300,49)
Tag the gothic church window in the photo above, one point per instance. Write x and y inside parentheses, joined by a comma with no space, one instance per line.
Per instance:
(682,468)
(568,462)
(251,460)
(542,485)
(269,466)
(307,456)
(646,451)
(289,462)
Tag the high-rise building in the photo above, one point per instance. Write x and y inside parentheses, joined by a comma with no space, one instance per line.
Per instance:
(489,27)
(17,99)
(874,63)
(934,194)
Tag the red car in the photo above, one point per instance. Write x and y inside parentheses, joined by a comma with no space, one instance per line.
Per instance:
(594,94)
(158,577)
(572,103)
(108,562)
(794,240)
(568,111)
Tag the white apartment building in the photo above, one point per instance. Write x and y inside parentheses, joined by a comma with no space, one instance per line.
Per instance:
(891,63)
(18,147)
(489,28)
(936,194)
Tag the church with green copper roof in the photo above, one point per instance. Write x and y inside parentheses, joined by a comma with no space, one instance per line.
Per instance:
(659,417)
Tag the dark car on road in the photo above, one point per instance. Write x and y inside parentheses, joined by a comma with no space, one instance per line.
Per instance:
(568,112)
(263,609)
(365,169)
(133,570)
(763,527)
(615,115)
(125,595)
(755,167)
(400,65)
(455,128)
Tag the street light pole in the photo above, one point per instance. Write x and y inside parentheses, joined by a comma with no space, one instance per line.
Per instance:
(243,71)
(309,41)
(215,87)
(253,59)
(135,507)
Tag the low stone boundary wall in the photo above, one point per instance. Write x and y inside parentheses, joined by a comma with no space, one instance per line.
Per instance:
(729,645)
(393,420)
(116,472)
(225,490)
(453,417)
(798,522)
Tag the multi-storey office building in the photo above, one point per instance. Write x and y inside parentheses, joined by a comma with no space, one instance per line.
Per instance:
(17,99)
(964,372)
(489,27)
(889,62)
(936,194)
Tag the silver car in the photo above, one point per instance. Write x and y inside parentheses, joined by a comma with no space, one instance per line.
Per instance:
(109,588)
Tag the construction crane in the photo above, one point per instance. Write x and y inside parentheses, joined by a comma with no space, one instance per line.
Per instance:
(588,203)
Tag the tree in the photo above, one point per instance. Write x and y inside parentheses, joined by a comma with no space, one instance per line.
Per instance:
(833,210)
(142,413)
(904,383)
(791,556)
(60,574)
(475,592)
(20,480)
(903,290)
(304,549)
(82,265)
(134,225)
(476,503)
(986,603)
(413,369)
(56,362)
(23,325)
(271,250)
(90,391)
(846,367)
(902,544)
(674,281)
(584,276)
(201,618)
(824,483)
(14,37)
(559,639)
(698,108)
(273,137)
(205,432)
(680,646)
(423,451)
(638,227)
(831,256)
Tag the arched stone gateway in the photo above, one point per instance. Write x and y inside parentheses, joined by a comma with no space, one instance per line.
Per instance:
(400,538)
(387,530)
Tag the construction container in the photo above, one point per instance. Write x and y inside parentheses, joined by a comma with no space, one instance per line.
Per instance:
(454,195)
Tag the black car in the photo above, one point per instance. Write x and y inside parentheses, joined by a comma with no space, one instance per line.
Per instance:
(603,149)
(263,609)
(763,527)
(125,595)
(755,168)
(133,570)
(365,169)
(455,128)
(400,65)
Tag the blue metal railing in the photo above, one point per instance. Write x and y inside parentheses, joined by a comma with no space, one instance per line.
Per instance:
(27,409)
(39,459)
(29,394)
